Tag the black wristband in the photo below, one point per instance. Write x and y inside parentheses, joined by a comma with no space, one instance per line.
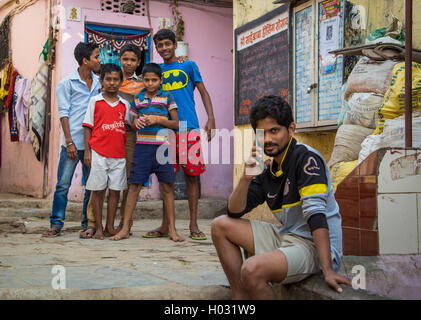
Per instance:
(317,221)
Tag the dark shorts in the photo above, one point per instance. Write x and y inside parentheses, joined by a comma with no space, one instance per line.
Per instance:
(145,162)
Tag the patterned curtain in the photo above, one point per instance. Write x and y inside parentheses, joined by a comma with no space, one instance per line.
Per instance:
(110,45)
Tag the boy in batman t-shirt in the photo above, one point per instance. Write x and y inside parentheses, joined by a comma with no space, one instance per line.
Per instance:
(181,79)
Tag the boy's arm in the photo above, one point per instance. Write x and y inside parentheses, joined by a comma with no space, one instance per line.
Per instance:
(207,102)
(70,146)
(135,124)
(87,155)
(88,126)
(63,101)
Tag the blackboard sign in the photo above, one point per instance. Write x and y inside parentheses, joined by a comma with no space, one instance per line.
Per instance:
(261,61)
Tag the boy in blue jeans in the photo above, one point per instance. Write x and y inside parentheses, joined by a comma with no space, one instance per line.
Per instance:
(152,110)
(73,95)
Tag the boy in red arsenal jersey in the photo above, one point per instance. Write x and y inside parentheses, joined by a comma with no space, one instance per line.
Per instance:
(105,147)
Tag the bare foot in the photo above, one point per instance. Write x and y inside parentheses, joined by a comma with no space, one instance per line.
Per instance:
(108,232)
(99,235)
(120,236)
(174,236)
(160,230)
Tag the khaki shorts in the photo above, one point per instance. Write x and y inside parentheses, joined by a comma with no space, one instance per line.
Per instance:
(106,171)
(301,253)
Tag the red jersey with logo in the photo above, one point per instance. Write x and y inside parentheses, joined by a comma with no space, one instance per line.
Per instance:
(108,137)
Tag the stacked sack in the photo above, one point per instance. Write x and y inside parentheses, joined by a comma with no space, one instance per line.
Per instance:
(390,130)
(362,98)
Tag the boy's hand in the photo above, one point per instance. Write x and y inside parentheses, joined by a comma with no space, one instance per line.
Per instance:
(87,157)
(181,59)
(208,128)
(151,120)
(140,122)
(71,152)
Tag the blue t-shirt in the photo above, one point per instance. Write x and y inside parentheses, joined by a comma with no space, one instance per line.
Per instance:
(180,79)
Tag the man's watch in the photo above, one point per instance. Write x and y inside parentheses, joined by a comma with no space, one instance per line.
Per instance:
(69,144)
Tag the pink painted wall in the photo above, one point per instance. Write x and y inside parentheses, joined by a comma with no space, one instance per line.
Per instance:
(20,171)
(209,34)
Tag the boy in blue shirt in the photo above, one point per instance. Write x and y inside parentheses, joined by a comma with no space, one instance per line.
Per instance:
(73,95)
(181,79)
(153,110)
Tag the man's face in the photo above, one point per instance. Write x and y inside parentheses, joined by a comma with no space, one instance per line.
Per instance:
(111,82)
(94,61)
(129,62)
(151,82)
(166,49)
(276,137)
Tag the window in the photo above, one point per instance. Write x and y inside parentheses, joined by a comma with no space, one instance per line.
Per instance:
(107,54)
(317,80)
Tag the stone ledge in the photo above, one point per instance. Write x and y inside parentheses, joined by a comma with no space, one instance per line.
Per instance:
(315,288)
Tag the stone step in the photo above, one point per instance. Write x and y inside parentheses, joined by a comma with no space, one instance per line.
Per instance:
(208,209)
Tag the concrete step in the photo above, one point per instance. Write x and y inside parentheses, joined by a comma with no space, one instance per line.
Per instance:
(40,208)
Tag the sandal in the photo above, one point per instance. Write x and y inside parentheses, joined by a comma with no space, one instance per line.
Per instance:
(87,233)
(197,235)
(53,232)
(155,234)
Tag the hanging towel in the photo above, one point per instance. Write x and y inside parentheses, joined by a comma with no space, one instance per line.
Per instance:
(38,102)
(21,107)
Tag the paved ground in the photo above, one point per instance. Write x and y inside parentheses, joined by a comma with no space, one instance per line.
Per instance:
(157,269)
(149,268)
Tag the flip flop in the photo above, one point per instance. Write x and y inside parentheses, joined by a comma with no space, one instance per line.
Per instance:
(196,236)
(86,235)
(155,234)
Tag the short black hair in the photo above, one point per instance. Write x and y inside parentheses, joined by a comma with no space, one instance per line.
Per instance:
(84,50)
(163,34)
(271,106)
(108,68)
(131,48)
(152,67)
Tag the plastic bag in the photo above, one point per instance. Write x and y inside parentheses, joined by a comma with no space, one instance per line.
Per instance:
(393,135)
(394,99)
(340,170)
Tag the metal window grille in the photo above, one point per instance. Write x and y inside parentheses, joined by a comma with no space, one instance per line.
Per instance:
(136,7)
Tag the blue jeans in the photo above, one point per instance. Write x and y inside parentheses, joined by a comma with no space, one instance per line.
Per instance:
(66,169)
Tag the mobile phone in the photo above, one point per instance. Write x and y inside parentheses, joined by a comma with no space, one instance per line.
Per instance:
(259,155)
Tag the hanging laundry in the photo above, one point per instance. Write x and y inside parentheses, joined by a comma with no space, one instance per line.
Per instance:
(4,88)
(13,123)
(38,103)
(4,40)
(22,106)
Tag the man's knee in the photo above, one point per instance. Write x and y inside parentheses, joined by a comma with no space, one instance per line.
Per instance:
(218,225)
(252,272)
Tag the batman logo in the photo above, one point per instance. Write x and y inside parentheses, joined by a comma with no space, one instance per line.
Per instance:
(174,79)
